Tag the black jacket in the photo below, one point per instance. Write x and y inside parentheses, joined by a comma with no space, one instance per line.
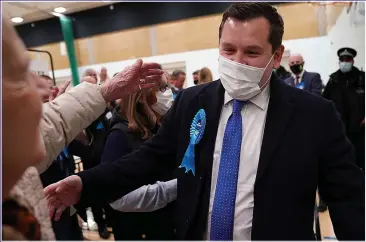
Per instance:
(157,225)
(304,148)
(96,133)
(347,91)
(67,228)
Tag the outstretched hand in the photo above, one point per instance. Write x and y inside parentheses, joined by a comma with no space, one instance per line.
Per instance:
(133,78)
(63,194)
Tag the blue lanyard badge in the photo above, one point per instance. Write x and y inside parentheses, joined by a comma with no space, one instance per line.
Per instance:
(66,152)
(100,126)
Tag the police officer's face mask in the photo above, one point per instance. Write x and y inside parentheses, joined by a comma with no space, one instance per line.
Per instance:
(345,66)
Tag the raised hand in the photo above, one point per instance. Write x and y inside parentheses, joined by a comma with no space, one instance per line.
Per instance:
(133,78)
(57,91)
(103,75)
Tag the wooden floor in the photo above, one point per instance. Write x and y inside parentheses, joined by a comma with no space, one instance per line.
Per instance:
(325,227)
(93,235)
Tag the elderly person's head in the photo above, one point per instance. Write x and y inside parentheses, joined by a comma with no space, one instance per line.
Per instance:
(296,63)
(205,76)
(22,144)
(91,73)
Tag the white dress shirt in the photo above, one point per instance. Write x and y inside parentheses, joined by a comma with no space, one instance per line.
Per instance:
(254,116)
(147,198)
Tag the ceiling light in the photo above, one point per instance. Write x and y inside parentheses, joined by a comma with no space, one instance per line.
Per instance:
(60,10)
(17,20)
(57,14)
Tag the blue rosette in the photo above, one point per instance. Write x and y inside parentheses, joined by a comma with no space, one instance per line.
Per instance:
(196,132)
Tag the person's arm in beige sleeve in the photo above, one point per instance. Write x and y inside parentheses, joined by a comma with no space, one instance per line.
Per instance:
(66,116)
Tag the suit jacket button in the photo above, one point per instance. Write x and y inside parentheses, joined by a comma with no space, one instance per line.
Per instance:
(143,236)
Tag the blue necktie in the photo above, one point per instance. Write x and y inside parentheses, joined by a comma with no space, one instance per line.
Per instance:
(222,217)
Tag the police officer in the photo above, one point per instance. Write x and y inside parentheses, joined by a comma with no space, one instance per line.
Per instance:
(346,88)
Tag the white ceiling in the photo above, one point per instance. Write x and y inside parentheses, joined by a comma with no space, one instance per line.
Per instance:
(34,11)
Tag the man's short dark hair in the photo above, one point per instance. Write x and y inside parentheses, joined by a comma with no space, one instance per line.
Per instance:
(246,11)
(176,74)
(196,72)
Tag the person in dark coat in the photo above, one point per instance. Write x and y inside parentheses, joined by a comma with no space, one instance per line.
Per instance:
(136,121)
(282,73)
(91,153)
(67,228)
(302,79)
(265,145)
(346,88)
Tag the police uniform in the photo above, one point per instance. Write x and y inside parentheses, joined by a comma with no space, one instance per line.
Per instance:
(346,88)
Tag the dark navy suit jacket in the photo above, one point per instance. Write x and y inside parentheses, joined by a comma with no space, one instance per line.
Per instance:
(304,148)
(312,82)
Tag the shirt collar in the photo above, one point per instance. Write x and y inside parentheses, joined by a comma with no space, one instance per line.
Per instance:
(260,100)
(299,75)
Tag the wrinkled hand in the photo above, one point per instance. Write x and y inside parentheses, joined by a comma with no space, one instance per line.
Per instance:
(63,194)
(57,91)
(131,79)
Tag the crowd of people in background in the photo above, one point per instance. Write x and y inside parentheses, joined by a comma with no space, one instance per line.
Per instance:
(139,114)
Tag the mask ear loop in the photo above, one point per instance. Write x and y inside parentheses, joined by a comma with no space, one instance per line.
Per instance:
(265,68)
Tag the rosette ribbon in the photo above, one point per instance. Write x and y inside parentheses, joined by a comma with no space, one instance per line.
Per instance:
(196,132)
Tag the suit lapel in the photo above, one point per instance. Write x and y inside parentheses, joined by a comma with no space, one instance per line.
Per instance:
(211,100)
(293,81)
(304,76)
(280,112)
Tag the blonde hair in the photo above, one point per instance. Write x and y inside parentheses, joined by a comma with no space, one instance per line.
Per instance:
(141,118)
(205,76)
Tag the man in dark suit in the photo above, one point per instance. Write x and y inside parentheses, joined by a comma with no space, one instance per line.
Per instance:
(308,81)
(264,145)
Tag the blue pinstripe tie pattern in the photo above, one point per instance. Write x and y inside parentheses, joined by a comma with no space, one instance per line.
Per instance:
(222,217)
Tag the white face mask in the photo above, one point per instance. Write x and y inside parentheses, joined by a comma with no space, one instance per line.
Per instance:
(345,66)
(164,101)
(239,80)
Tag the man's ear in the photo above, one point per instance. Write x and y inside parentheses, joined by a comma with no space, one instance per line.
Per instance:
(278,56)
